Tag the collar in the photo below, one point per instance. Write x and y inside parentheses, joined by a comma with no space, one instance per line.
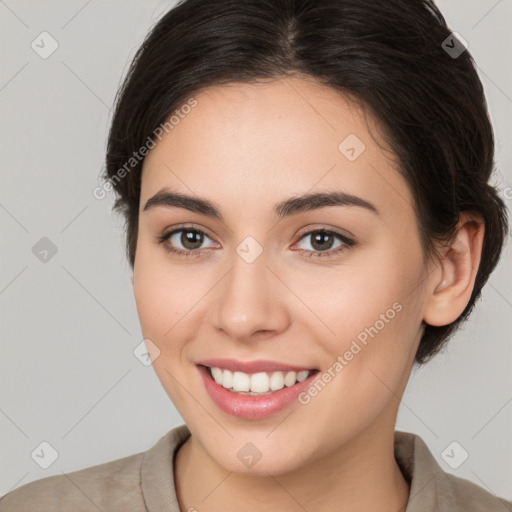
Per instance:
(431,488)
(425,476)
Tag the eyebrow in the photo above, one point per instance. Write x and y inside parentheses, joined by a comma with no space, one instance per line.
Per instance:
(292,206)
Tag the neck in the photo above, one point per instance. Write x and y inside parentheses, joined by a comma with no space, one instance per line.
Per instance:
(360,475)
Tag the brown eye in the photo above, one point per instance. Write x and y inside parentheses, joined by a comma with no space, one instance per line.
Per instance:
(191,239)
(184,241)
(323,241)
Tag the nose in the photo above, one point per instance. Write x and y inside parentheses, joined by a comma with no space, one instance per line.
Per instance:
(250,302)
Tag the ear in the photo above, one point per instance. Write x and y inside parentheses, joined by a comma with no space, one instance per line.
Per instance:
(454,279)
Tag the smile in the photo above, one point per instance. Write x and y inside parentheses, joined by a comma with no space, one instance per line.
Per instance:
(256,383)
(255,395)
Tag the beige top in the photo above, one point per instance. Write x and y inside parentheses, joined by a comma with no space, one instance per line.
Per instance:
(144,482)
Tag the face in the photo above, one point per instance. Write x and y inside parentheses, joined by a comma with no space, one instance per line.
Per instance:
(336,286)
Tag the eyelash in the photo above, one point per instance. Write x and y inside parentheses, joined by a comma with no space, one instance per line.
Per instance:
(193,253)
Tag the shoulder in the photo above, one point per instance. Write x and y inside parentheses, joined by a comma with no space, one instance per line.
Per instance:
(114,485)
(469,496)
(432,488)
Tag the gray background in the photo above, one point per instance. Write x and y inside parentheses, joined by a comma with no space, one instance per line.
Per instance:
(69,326)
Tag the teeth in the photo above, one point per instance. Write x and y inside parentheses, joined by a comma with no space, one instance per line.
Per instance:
(290,379)
(259,383)
(303,375)
(276,381)
(241,381)
(227,379)
(217,375)
(256,383)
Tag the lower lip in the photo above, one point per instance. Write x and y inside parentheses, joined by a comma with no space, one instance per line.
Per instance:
(252,407)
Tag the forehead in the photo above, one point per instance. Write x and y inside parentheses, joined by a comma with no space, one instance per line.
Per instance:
(265,141)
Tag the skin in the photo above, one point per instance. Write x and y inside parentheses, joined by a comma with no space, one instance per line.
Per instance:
(245,148)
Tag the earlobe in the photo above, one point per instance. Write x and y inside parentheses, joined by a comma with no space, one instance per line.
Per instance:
(457,270)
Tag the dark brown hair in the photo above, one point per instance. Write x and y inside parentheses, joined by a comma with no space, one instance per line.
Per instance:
(393,57)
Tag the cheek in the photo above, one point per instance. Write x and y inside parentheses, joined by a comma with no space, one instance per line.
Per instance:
(370,310)
(163,293)
(374,317)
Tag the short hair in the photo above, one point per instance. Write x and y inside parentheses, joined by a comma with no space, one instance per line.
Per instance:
(392,57)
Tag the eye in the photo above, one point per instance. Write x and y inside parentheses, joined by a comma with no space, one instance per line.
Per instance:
(189,242)
(191,239)
(323,241)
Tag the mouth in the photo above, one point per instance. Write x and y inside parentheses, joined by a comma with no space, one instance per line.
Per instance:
(259,383)
(255,395)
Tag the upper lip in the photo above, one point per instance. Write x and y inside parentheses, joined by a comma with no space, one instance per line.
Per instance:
(261,365)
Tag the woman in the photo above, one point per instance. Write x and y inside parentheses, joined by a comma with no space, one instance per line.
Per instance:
(308,212)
